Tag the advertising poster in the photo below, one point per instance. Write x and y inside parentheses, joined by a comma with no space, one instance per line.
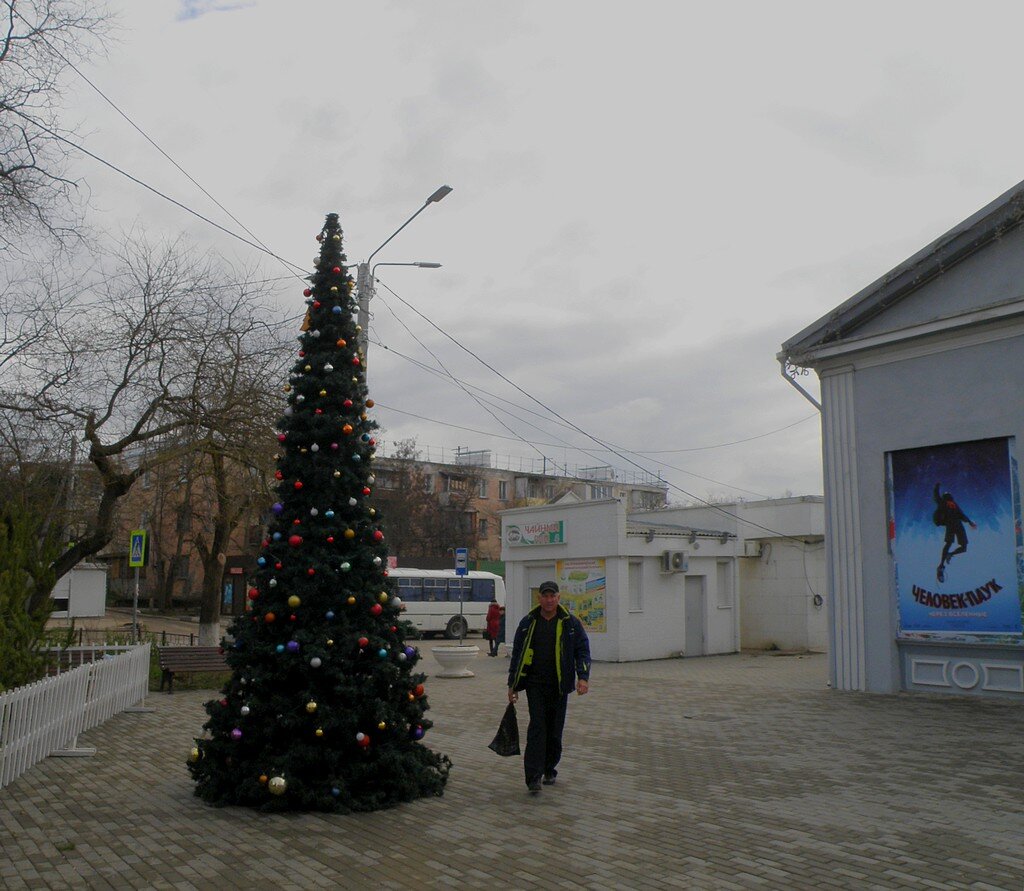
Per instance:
(582,583)
(955,540)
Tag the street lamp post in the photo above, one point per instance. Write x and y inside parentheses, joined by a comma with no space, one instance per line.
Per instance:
(364,277)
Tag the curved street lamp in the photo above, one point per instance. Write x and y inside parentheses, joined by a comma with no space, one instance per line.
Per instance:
(364,279)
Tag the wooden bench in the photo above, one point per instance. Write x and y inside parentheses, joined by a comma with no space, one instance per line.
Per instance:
(186,660)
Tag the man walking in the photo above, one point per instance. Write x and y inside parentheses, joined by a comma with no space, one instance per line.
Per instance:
(550,656)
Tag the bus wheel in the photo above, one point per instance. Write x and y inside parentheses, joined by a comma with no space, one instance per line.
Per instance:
(457,628)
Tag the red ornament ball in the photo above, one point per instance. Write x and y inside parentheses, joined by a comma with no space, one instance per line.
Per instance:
(347,403)
(376,609)
(378,535)
(253,593)
(298,484)
(278,475)
(336,270)
(366,490)
(281,437)
(364,641)
(307,293)
(295,541)
(316,304)
(311,571)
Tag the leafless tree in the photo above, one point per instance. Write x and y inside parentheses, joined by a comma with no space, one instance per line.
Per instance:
(40,43)
(421,522)
(168,353)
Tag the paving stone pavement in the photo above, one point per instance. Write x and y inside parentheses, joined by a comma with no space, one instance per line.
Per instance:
(731,772)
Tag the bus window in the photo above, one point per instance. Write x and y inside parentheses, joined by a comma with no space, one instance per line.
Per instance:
(434,589)
(410,589)
(483,590)
(454,587)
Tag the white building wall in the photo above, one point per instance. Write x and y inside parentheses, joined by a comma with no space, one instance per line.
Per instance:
(778,605)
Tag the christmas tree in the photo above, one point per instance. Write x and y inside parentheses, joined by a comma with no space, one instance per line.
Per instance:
(324,710)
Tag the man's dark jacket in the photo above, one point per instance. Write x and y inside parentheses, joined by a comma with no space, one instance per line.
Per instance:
(572,650)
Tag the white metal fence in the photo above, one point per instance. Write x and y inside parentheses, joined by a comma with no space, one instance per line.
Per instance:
(46,717)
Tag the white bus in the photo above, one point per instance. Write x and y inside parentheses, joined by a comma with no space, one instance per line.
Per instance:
(430,599)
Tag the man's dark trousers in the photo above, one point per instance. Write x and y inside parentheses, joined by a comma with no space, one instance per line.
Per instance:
(544,736)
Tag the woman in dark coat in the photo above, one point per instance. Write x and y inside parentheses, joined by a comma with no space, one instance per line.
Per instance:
(493,626)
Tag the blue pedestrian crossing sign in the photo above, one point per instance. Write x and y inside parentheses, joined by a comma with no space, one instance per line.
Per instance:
(137,548)
(462,561)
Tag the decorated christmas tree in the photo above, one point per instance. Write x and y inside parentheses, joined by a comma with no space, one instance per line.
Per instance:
(324,709)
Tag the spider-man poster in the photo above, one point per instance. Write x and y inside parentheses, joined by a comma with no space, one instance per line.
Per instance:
(955,540)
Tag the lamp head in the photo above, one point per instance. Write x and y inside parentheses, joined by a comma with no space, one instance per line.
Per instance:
(439,194)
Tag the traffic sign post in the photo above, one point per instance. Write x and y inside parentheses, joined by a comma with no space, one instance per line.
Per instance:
(137,552)
(462,569)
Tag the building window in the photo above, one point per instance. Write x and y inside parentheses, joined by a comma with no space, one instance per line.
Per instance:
(481,528)
(723,595)
(636,587)
(482,490)
(454,483)
(549,491)
(428,483)
(598,493)
(181,567)
(503,490)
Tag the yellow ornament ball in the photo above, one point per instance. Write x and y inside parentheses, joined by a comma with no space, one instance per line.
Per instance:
(383,598)
(308,368)
(294,601)
(330,642)
(382,726)
(319,732)
(334,289)
(323,392)
(350,533)
(194,755)
(311,707)
(351,601)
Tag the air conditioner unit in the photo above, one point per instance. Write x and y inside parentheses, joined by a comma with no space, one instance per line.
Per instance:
(675,561)
(751,549)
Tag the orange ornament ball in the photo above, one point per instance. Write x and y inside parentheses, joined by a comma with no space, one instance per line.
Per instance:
(269,617)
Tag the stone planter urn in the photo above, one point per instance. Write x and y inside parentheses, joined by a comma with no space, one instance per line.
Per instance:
(455,660)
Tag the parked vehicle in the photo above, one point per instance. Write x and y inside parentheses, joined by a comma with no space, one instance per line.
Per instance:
(438,600)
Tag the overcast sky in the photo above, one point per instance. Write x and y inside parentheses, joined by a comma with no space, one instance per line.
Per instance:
(648,198)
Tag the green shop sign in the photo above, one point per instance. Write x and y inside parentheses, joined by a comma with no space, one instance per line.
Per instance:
(529,534)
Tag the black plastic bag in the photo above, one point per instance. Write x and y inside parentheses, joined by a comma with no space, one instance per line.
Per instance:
(506,740)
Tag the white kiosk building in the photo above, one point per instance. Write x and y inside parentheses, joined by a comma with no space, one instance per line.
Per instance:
(642,591)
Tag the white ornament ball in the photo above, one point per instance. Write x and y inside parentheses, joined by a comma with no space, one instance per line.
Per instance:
(313,511)
(314,448)
(352,502)
(315,662)
(328,367)
(277,785)
(244,710)
(371,479)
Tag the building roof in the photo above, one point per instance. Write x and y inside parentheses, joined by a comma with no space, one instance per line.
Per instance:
(991,222)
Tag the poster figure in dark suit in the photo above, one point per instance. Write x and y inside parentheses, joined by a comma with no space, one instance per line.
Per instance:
(948,514)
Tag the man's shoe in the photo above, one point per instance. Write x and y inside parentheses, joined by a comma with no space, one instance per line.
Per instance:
(549,779)
(533,786)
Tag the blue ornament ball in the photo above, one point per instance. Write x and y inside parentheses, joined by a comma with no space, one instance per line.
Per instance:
(280,648)
(293,646)
(357,458)
(261,561)
(277,508)
(382,653)
(277,536)
(330,614)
